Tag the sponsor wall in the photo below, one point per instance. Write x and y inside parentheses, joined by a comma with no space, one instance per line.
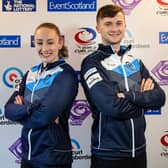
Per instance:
(147,31)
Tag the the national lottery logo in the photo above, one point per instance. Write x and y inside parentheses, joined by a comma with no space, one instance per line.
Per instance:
(127,5)
(16,149)
(85,39)
(8,6)
(79,112)
(12,77)
(18,5)
(161,72)
(162,7)
(164,145)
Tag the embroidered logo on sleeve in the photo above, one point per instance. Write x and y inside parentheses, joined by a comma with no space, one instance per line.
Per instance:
(90,72)
(93,79)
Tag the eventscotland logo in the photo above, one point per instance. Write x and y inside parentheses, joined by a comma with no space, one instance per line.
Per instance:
(10,41)
(72,5)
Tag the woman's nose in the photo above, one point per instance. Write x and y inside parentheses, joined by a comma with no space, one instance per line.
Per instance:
(45,47)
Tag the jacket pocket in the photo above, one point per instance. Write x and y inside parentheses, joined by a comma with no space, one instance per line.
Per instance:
(59,137)
(116,134)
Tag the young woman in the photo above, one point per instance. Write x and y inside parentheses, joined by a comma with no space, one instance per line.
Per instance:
(42,104)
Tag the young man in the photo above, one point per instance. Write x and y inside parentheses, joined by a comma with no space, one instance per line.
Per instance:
(119,89)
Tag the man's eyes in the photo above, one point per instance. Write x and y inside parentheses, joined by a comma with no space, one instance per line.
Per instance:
(117,24)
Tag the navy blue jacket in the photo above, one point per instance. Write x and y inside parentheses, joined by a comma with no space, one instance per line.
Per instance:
(118,123)
(48,93)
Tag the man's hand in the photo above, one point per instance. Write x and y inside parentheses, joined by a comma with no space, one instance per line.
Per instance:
(147,84)
(120,95)
(57,120)
(18,100)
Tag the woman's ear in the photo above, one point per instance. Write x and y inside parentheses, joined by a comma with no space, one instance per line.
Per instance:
(61,42)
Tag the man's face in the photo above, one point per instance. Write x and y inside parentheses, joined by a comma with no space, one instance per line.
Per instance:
(112,29)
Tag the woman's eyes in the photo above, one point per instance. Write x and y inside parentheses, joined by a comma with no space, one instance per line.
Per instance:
(41,43)
(50,43)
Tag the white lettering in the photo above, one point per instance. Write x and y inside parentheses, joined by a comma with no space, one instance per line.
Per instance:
(23,7)
(6,42)
(74,6)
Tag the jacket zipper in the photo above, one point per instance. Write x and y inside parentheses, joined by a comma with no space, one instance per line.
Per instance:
(131,120)
(29,143)
(99,130)
(30,131)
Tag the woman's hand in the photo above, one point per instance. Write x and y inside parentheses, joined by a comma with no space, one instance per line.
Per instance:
(18,100)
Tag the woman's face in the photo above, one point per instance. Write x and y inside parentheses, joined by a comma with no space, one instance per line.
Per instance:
(47,44)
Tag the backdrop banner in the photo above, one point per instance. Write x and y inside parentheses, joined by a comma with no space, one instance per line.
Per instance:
(147,31)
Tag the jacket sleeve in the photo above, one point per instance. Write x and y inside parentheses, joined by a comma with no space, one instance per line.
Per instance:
(59,99)
(102,93)
(152,99)
(13,111)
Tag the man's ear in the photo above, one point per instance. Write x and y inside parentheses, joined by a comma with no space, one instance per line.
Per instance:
(125,30)
(97,28)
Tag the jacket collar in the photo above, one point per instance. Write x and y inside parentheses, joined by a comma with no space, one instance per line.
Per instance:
(53,64)
(107,49)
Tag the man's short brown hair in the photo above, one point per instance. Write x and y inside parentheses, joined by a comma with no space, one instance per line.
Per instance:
(108,11)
